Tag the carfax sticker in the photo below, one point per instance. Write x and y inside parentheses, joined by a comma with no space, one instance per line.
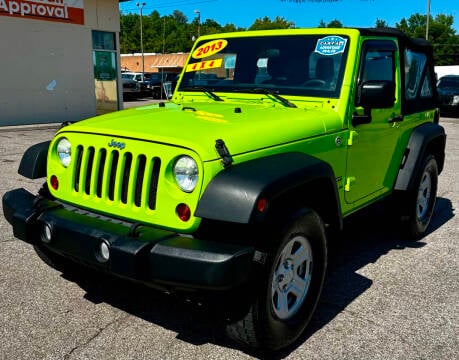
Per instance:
(209,48)
(204,65)
(331,45)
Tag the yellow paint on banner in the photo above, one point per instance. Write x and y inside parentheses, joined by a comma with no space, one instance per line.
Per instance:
(209,48)
(204,65)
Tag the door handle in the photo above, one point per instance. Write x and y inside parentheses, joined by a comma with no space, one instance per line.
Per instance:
(395,119)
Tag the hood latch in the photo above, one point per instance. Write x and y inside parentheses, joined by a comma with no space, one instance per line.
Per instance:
(222,150)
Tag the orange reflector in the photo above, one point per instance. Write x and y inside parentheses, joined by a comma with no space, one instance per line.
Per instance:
(183,212)
(54,182)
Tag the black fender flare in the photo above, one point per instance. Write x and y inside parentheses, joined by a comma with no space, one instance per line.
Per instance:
(426,137)
(34,160)
(233,194)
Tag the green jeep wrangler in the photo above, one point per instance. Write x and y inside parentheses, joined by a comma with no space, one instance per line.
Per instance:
(271,139)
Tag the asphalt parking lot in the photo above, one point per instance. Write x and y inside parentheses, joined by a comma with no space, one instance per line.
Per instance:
(140,102)
(385,297)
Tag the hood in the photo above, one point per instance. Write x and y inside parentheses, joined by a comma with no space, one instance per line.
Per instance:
(448,91)
(196,126)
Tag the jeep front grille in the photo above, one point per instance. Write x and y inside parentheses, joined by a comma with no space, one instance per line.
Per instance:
(118,176)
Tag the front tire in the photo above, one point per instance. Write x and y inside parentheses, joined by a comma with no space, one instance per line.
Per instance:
(290,288)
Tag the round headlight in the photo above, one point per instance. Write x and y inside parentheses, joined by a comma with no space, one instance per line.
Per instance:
(186,173)
(64,152)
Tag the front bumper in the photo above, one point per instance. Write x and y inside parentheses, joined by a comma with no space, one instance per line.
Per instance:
(141,253)
(449,110)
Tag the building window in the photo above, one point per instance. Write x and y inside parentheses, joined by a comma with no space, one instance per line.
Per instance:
(105,71)
(102,40)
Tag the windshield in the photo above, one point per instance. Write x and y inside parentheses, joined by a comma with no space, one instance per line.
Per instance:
(449,82)
(306,65)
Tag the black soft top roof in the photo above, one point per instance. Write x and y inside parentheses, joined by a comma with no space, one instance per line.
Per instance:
(405,39)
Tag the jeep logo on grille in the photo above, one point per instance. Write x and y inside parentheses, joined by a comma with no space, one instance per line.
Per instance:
(117,144)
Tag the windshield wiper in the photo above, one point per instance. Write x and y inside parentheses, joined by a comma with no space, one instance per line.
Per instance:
(274,94)
(204,90)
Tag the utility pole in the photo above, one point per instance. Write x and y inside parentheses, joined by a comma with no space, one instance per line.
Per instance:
(428,19)
(140,6)
(164,34)
(199,21)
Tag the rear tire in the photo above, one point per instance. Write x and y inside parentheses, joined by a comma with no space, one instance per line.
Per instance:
(421,202)
(290,288)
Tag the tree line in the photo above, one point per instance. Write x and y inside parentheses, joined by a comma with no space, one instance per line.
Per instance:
(175,33)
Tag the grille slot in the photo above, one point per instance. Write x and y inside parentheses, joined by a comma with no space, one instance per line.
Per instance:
(154,177)
(139,180)
(87,184)
(126,178)
(111,181)
(100,173)
(79,155)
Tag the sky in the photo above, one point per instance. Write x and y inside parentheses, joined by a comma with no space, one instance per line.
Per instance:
(351,13)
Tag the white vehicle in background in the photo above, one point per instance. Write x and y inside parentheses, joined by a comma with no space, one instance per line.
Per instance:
(131,88)
(135,78)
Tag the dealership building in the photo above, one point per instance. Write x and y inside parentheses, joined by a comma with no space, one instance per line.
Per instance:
(60,60)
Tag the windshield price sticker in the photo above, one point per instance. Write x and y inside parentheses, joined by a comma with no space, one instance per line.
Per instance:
(204,65)
(209,48)
(331,45)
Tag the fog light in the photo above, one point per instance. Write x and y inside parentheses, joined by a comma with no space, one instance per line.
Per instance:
(104,251)
(46,233)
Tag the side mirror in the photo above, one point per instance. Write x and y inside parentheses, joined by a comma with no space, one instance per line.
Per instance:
(376,94)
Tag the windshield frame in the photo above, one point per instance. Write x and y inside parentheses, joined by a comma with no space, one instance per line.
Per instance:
(213,71)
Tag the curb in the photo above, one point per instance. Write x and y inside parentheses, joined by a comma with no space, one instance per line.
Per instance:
(30,127)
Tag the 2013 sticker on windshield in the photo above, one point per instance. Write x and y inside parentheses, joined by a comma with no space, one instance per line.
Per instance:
(204,65)
(209,48)
(331,45)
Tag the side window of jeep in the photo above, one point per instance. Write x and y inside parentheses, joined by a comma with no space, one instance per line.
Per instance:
(377,65)
(417,74)
(419,89)
(378,76)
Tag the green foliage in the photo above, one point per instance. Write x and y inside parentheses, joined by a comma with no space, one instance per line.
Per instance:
(170,33)
(381,24)
(267,24)
(175,33)
(442,35)
(335,24)
(332,24)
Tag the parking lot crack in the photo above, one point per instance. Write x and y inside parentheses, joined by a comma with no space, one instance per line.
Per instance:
(95,336)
